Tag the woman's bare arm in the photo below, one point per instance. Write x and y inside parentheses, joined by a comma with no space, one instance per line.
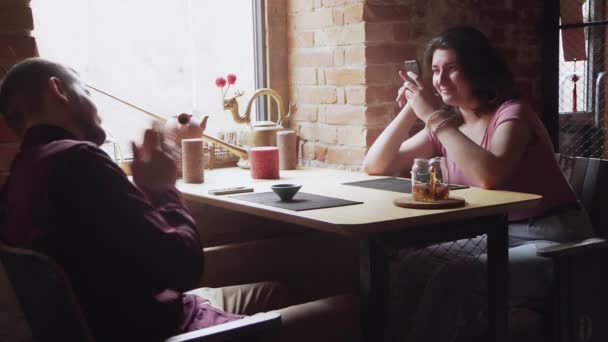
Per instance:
(487,168)
(394,151)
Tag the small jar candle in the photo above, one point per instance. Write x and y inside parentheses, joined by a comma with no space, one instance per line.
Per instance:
(288,156)
(420,179)
(430,180)
(192,161)
(264,162)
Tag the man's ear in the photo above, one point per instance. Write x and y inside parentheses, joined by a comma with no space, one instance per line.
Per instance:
(57,89)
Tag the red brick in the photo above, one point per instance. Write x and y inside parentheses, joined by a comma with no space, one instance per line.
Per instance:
(15,18)
(341,35)
(355,95)
(355,115)
(308,131)
(345,115)
(15,2)
(301,39)
(320,151)
(17,47)
(378,115)
(380,33)
(345,76)
(379,95)
(305,113)
(333,3)
(338,14)
(308,151)
(358,135)
(341,96)
(313,58)
(371,134)
(402,32)
(526,4)
(380,75)
(322,113)
(354,55)
(351,136)
(419,30)
(327,134)
(345,155)
(313,20)
(389,53)
(299,6)
(530,15)
(321,77)
(497,36)
(353,13)
(304,76)
(380,13)
(339,56)
(317,95)
(498,16)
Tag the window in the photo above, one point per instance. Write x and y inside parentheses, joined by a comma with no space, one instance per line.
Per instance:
(582,85)
(162,56)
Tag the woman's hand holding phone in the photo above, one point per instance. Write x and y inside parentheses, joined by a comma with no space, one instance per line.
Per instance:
(408,66)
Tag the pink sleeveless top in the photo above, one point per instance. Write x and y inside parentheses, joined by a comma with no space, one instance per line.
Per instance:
(538,171)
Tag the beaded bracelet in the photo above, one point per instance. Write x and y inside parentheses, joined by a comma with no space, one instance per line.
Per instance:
(441,124)
(433,115)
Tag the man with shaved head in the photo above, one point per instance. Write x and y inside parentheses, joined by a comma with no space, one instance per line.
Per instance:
(130,250)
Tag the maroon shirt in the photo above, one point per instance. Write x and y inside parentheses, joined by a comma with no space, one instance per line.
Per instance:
(129,255)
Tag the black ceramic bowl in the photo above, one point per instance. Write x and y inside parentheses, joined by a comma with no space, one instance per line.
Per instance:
(285,191)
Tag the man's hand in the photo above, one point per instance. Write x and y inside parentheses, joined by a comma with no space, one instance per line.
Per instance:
(154,162)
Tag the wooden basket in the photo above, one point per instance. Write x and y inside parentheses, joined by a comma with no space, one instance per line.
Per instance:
(218,157)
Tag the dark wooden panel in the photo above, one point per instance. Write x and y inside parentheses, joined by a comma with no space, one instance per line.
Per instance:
(589,181)
(577,177)
(566,164)
(598,208)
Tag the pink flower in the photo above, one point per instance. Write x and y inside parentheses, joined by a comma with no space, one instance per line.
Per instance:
(220,82)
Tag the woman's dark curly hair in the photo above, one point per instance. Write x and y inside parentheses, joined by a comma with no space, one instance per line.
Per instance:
(483,67)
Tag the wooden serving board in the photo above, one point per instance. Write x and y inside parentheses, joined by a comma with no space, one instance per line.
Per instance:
(409,202)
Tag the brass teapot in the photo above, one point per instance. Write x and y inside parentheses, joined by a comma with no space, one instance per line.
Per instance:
(262,133)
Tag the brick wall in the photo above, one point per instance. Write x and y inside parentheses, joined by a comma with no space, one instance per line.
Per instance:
(344,56)
(16,43)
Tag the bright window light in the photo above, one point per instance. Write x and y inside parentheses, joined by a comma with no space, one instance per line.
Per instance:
(162,56)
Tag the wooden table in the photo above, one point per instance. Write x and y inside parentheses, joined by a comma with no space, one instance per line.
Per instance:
(377,223)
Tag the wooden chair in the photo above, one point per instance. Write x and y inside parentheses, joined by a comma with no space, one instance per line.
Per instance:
(53,312)
(581,287)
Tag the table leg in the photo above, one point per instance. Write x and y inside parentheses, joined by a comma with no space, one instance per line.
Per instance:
(373,283)
(498,280)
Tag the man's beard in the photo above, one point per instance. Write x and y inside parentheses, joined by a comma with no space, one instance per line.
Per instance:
(96,135)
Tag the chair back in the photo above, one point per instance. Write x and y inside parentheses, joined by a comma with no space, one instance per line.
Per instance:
(45,295)
(588,177)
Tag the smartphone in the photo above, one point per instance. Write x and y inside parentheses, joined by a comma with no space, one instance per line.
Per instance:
(228,191)
(413,66)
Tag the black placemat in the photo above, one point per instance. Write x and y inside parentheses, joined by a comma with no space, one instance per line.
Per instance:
(394,184)
(301,201)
